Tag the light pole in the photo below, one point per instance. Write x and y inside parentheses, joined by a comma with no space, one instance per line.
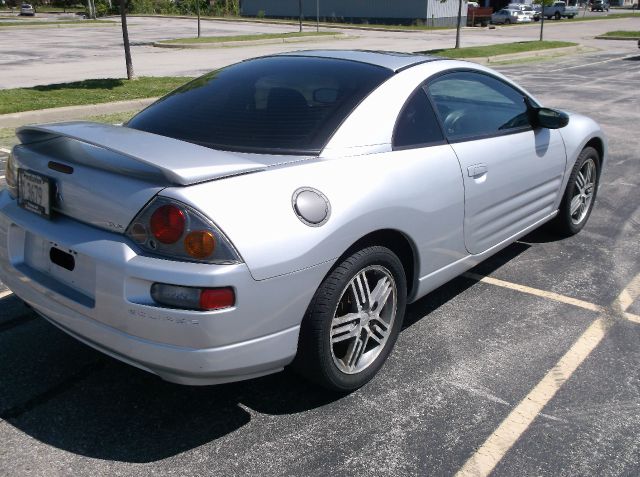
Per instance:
(317,15)
(300,12)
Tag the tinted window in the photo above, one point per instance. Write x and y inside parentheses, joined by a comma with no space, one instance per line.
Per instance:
(473,104)
(417,124)
(276,104)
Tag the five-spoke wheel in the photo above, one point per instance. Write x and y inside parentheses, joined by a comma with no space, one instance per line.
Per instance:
(353,320)
(580,194)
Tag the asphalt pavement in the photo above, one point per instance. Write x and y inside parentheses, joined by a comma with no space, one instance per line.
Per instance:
(528,364)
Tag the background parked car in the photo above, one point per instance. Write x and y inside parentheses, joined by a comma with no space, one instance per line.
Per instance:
(560,10)
(528,9)
(27,10)
(506,16)
(600,6)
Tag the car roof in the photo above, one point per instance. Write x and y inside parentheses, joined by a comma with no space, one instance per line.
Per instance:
(391,60)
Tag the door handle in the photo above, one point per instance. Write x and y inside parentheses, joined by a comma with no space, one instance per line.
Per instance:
(477,170)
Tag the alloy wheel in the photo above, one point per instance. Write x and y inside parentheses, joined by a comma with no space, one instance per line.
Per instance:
(583,192)
(363,319)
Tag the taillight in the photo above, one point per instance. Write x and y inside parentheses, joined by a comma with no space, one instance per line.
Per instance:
(191,298)
(173,229)
(167,223)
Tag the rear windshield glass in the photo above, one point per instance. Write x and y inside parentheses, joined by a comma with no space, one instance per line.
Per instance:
(276,104)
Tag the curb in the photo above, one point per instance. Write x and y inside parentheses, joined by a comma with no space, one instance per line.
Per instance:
(266,41)
(524,54)
(629,38)
(71,112)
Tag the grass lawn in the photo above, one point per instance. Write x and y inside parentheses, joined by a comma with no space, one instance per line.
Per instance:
(23,23)
(623,34)
(609,16)
(500,49)
(263,36)
(85,92)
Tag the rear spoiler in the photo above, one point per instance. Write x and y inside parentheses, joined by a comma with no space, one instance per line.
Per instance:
(179,162)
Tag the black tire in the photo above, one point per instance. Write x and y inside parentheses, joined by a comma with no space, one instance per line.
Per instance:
(558,16)
(507,22)
(564,223)
(316,358)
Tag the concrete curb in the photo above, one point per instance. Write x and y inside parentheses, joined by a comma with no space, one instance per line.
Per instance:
(628,38)
(524,54)
(266,41)
(71,112)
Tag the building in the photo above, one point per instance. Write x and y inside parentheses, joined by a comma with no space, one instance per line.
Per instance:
(423,12)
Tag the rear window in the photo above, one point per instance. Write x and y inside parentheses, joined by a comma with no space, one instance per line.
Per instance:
(286,105)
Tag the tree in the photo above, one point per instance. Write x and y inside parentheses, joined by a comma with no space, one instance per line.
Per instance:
(125,39)
(459,25)
(542,3)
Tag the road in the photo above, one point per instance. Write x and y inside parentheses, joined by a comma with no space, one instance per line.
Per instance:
(528,364)
(52,55)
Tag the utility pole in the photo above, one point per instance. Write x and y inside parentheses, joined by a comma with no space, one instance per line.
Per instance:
(125,39)
(459,24)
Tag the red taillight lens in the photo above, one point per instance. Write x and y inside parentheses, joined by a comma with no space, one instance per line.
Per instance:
(167,224)
(216,298)
(191,298)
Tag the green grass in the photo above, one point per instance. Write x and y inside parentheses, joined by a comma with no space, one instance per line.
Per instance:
(263,36)
(610,16)
(623,34)
(55,23)
(85,92)
(501,49)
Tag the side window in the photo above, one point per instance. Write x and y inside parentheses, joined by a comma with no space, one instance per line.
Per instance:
(474,104)
(417,124)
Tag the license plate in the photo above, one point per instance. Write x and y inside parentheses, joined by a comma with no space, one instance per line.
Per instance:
(34,192)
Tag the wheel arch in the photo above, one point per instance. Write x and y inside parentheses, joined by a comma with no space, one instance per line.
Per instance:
(400,244)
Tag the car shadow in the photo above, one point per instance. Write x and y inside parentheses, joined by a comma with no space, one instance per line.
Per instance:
(97,407)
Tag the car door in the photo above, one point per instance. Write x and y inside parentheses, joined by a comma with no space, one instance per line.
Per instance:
(512,172)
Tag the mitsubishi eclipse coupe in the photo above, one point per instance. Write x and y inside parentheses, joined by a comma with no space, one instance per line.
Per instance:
(285,209)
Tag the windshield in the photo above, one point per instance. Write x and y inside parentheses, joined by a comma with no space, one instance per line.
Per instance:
(281,104)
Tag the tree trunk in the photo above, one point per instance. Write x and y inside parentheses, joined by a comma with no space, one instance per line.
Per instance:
(125,39)
(459,24)
(198,12)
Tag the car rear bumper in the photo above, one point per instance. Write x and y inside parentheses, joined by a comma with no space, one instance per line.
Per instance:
(107,303)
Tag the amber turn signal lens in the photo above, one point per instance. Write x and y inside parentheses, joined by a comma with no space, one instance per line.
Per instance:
(200,244)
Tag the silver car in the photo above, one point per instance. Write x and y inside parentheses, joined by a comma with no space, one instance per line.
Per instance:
(284,210)
(507,16)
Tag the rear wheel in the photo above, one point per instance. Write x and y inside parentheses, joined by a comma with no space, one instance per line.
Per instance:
(507,21)
(353,320)
(580,193)
(558,16)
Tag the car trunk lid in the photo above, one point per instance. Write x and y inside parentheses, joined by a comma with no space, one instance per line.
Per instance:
(103,175)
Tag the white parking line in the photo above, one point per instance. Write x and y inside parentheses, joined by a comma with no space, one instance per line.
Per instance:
(5,293)
(4,149)
(591,64)
(537,292)
(484,460)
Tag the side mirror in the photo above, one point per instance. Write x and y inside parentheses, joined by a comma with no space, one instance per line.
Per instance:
(549,118)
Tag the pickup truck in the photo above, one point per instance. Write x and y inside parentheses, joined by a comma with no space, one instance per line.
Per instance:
(560,10)
(478,15)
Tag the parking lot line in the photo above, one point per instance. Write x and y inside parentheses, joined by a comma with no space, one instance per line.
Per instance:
(4,149)
(536,291)
(484,460)
(5,293)
(591,64)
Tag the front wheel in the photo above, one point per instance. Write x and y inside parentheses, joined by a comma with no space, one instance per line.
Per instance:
(580,193)
(558,16)
(353,320)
